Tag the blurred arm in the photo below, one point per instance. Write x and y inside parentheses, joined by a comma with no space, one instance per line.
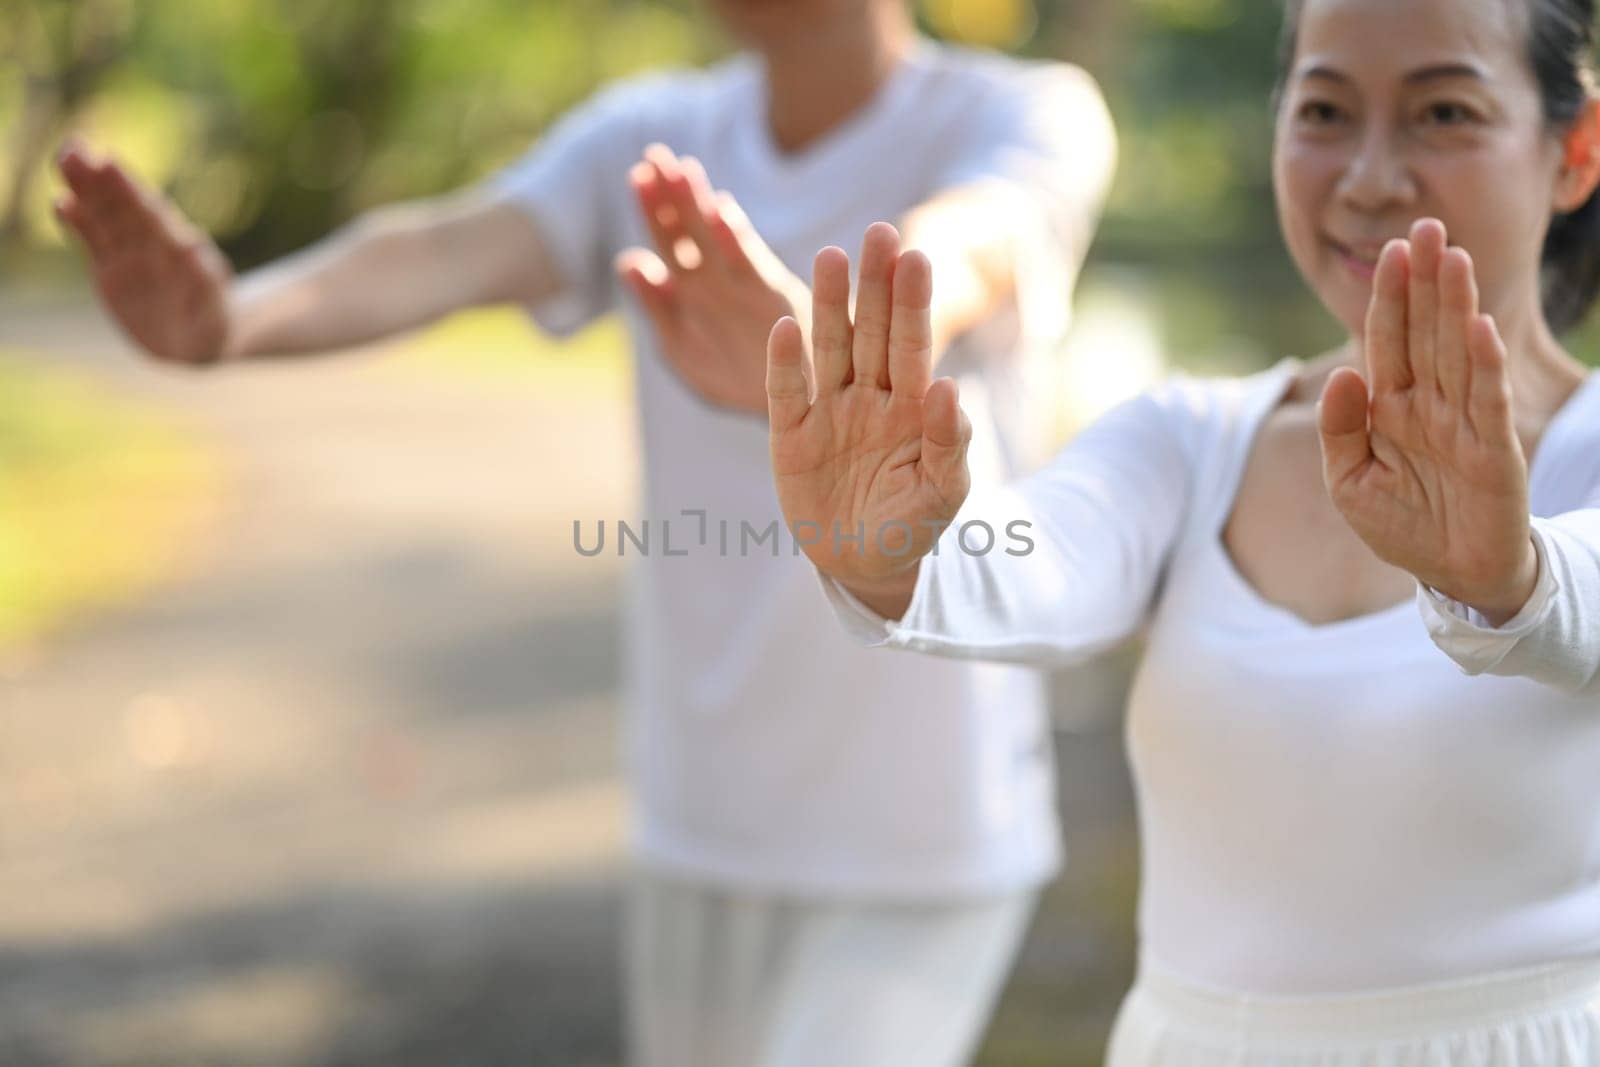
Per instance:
(1026,200)
(172,291)
(392,270)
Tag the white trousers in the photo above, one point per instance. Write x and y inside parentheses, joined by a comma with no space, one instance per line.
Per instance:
(728,979)
(1542,1017)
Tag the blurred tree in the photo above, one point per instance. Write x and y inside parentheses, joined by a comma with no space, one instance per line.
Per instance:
(60,51)
(271,121)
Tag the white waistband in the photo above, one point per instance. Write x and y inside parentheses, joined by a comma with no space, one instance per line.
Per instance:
(1400,1012)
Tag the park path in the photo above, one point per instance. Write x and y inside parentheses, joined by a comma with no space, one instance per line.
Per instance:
(358,754)
(344,789)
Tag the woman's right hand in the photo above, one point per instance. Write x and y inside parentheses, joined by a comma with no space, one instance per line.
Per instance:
(869,454)
(164,281)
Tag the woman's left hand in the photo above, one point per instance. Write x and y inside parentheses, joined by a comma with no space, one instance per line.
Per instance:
(1421,455)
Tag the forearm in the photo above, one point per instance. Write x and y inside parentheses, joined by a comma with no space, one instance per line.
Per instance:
(1015,231)
(888,598)
(337,293)
(1049,570)
(390,271)
(1051,591)
(969,238)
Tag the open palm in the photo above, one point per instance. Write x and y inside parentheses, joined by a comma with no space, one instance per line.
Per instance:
(1422,457)
(161,278)
(868,453)
(711,286)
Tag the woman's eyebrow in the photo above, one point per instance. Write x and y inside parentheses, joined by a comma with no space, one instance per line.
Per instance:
(1434,72)
(1446,70)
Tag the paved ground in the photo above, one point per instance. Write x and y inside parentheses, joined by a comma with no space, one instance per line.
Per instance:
(344,791)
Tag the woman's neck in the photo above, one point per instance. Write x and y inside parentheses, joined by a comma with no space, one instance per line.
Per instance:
(1543,373)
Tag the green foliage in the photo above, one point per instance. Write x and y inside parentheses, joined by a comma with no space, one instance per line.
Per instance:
(273,121)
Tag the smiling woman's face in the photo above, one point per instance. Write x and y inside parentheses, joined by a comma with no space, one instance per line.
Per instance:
(1397,109)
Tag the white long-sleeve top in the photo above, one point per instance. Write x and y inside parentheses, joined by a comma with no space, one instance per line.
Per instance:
(1401,797)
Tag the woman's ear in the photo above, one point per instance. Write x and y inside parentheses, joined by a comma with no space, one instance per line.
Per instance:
(1580,171)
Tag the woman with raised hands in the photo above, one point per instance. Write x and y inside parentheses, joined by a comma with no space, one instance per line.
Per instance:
(1365,730)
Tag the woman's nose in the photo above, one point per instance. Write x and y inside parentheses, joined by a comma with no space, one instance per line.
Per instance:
(1377,176)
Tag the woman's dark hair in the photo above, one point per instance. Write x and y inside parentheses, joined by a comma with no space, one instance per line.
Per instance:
(1561,43)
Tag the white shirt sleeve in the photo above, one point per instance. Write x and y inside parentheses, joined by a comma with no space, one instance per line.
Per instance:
(571,183)
(1101,518)
(1555,638)
(1043,137)
(1045,130)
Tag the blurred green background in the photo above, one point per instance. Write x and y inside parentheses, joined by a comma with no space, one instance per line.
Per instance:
(270,121)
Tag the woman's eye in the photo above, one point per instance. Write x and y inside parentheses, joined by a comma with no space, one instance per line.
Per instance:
(1319,113)
(1448,113)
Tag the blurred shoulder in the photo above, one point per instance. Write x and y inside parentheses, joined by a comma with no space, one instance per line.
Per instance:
(1002,78)
(675,90)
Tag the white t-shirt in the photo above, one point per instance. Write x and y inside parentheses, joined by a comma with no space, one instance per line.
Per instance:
(765,748)
(1385,800)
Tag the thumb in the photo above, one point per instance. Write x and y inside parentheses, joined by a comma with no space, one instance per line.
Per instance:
(648,278)
(946,433)
(1342,424)
(788,376)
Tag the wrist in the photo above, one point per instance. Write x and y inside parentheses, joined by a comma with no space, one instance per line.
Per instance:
(236,344)
(1500,608)
(888,596)
(232,349)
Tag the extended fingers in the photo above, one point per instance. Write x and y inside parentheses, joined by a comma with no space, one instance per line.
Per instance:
(788,376)
(1422,306)
(143,219)
(880,251)
(911,327)
(127,214)
(830,318)
(652,180)
(682,199)
(108,205)
(1387,334)
(658,216)
(69,209)
(946,433)
(694,199)
(1458,308)
(733,233)
(116,216)
(1342,426)
(77,167)
(1489,401)
(651,283)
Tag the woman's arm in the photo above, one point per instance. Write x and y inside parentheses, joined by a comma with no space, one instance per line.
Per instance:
(869,458)
(1059,566)
(171,290)
(394,269)
(1422,458)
